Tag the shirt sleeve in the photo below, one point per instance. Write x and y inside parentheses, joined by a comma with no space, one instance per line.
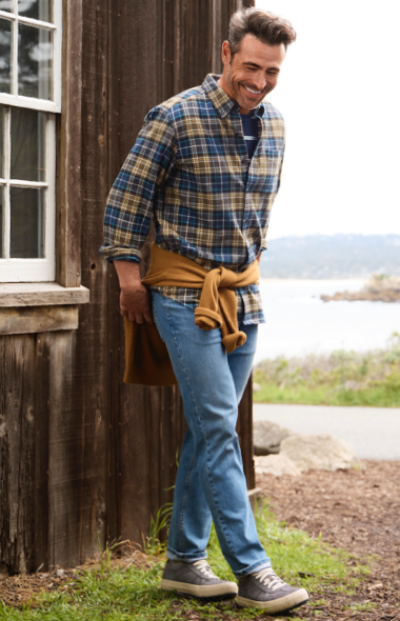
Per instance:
(129,206)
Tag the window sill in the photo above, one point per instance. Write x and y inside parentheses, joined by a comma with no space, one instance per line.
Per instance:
(41,294)
(29,308)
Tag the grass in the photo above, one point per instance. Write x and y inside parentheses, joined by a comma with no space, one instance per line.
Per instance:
(342,378)
(151,543)
(364,606)
(116,593)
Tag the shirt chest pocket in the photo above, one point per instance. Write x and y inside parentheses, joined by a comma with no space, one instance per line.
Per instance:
(266,169)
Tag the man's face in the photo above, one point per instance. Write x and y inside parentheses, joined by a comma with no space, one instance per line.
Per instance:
(253,71)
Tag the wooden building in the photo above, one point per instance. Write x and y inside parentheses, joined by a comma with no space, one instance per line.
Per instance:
(82,455)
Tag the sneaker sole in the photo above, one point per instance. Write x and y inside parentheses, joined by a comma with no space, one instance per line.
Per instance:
(228,590)
(283,604)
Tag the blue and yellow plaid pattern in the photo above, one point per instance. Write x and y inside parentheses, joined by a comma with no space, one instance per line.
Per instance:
(189,171)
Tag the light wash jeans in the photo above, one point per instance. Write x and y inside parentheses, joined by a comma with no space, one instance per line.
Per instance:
(210,483)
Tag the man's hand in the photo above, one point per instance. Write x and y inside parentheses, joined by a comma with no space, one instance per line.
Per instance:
(135,303)
(135,297)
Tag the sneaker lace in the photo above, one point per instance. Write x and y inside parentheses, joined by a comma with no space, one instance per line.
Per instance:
(205,568)
(268,577)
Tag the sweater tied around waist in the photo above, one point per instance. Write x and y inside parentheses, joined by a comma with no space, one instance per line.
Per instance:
(146,357)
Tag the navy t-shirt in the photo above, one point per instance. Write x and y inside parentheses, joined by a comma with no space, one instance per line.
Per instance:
(250,131)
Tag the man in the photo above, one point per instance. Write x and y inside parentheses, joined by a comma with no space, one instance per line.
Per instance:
(206,169)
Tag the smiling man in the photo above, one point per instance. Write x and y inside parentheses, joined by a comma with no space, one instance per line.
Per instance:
(206,169)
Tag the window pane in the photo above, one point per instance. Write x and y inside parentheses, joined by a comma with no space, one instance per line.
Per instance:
(5,55)
(1,219)
(6,5)
(1,140)
(26,223)
(27,144)
(35,57)
(36,9)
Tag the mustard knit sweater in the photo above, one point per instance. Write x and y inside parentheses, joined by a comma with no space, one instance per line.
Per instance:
(146,357)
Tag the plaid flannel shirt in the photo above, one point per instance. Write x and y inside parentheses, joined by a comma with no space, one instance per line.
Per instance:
(189,171)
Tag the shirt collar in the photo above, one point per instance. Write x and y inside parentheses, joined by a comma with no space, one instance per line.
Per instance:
(220,100)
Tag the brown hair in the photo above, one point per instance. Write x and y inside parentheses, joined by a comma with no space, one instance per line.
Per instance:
(267,27)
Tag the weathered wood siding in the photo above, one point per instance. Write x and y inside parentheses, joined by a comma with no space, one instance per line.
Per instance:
(81,454)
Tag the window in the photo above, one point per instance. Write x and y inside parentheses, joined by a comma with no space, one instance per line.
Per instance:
(30,96)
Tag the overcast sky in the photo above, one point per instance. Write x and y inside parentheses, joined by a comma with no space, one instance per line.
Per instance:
(340,96)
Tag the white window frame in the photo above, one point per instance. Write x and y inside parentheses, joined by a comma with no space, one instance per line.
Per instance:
(13,99)
(44,269)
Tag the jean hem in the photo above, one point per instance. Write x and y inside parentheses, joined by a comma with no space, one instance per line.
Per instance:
(251,569)
(187,558)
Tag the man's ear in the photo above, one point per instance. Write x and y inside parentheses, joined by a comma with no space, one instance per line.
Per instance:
(226,52)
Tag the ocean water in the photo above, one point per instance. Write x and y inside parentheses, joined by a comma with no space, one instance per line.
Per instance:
(299,322)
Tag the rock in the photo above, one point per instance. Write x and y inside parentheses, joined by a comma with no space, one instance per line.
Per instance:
(276,465)
(267,437)
(319,452)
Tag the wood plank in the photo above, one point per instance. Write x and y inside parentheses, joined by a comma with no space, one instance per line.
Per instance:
(41,294)
(40,512)
(98,345)
(31,320)
(68,270)
(17,441)
(75,468)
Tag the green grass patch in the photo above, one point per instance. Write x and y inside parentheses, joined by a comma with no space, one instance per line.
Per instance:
(327,394)
(363,606)
(114,593)
(342,378)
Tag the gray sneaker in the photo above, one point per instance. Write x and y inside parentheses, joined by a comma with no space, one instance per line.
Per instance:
(196,579)
(265,590)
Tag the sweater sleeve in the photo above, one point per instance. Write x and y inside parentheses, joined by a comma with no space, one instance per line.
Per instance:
(129,206)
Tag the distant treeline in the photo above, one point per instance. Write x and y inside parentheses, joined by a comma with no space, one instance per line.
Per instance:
(331,256)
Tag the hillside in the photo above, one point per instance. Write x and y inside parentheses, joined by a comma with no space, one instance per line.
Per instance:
(331,256)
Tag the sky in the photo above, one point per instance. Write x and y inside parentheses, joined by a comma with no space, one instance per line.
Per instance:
(339,93)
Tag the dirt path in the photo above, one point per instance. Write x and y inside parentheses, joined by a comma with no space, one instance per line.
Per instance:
(358,510)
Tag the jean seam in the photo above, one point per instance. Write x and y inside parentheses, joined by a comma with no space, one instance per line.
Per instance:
(184,501)
(251,569)
(185,556)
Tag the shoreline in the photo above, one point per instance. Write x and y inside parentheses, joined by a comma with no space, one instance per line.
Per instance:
(309,281)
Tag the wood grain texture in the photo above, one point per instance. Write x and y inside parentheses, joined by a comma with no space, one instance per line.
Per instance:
(19,538)
(41,294)
(77,450)
(68,254)
(34,319)
(40,512)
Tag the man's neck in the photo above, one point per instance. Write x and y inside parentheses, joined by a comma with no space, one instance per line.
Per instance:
(223,84)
